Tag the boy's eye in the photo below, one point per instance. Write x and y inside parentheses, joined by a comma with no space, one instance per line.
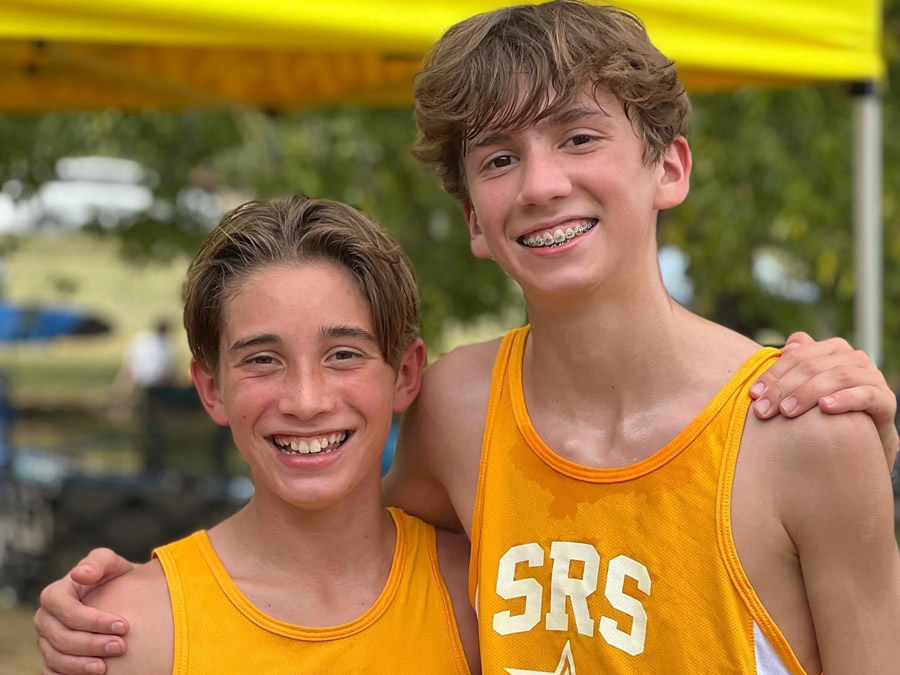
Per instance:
(581,139)
(344,355)
(500,162)
(260,360)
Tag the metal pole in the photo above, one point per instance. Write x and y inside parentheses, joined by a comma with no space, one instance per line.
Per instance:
(867,218)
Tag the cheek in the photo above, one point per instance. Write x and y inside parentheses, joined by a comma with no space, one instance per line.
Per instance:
(489,199)
(369,395)
(247,401)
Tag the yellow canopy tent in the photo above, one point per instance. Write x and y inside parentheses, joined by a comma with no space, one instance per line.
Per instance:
(289,54)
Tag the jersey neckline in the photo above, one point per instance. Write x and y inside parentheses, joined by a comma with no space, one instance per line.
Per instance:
(631,471)
(311,633)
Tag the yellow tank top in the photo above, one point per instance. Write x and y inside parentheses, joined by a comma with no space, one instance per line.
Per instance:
(411,628)
(624,570)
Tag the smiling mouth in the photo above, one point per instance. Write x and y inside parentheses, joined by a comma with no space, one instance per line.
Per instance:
(558,236)
(310,445)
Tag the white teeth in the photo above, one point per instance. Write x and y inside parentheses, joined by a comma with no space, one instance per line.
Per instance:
(558,236)
(579,229)
(548,238)
(293,445)
(570,233)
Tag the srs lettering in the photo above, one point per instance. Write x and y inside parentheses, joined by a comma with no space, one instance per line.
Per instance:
(577,590)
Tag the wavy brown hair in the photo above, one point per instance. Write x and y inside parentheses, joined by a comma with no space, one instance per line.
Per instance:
(511,67)
(296,230)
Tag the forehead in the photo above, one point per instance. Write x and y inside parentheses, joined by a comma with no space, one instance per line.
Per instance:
(295,297)
(590,103)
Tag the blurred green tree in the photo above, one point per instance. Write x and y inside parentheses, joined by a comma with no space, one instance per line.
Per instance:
(359,156)
(772,172)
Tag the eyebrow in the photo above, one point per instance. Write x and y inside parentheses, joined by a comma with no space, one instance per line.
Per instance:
(567,116)
(346,332)
(570,115)
(254,341)
(493,138)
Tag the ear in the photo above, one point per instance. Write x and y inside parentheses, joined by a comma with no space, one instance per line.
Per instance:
(674,175)
(476,237)
(409,375)
(205,384)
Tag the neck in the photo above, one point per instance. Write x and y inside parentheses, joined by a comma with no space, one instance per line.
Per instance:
(610,343)
(352,539)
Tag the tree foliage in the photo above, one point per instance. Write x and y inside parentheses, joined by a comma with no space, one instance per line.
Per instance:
(772,171)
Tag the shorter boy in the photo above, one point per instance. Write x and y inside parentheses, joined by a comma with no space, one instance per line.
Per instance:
(302,317)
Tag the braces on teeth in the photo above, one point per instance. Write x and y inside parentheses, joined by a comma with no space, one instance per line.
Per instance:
(559,236)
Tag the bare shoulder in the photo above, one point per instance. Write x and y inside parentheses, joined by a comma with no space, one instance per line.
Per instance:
(462,377)
(817,461)
(454,398)
(435,470)
(453,560)
(142,597)
(821,443)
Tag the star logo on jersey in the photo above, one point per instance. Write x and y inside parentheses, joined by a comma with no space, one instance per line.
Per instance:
(566,665)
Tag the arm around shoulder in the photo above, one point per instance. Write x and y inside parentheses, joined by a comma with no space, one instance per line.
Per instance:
(837,505)
(142,597)
(435,469)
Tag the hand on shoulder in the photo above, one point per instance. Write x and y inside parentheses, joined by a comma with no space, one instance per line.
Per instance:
(142,597)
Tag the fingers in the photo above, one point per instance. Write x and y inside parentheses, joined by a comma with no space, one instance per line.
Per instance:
(797,386)
(832,375)
(58,663)
(75,642)
(799,338)
(61,600)
(100,566)
(798,364)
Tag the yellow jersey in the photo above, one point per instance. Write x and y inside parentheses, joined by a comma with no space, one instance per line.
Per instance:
(615,570)
(411,628)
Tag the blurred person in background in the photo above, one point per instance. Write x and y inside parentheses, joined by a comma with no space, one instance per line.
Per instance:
(149,359)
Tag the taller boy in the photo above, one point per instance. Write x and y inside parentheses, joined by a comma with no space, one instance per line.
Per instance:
(613,527)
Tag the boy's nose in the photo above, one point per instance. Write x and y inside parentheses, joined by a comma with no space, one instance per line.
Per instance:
(306,395)
(544,178)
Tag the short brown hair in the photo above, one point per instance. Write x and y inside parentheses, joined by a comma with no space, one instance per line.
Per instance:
(297,230)
(510,67)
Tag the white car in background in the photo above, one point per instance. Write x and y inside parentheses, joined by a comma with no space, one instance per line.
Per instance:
(106,190)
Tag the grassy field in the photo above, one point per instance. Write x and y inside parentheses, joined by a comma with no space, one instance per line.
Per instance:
(18,650)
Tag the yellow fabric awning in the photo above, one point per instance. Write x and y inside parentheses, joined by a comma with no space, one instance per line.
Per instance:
(288,54)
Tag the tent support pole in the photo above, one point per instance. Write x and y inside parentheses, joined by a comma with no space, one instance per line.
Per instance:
(867,218)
